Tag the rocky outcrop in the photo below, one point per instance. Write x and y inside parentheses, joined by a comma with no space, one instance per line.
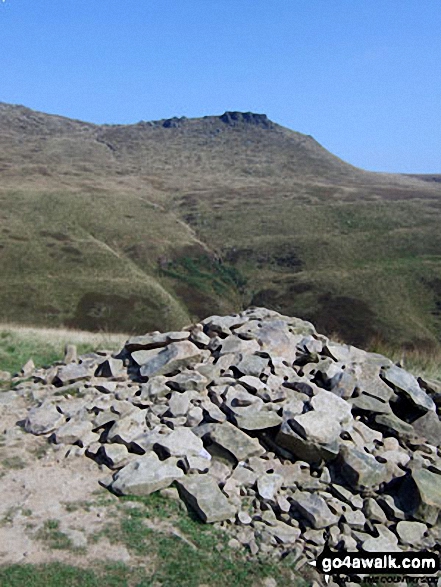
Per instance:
(268,428)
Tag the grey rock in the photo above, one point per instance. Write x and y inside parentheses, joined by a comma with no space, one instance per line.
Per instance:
(174,357)
(146,475)
(386,541)
(258,421)
(110,368)
(373,511)
(268,485)
(428,486)
(303,448)
(314,509)
(155,340)
(182,442)
(395,424)
(411,533)
(370,404)
(284,533)
(76,431)
(195,416)
(73,372)
(317,426)
(429,426)
(360,469)
(43,419)
(28,368)
(236,442)
(155,388)
(252,365)
(179,404)
(188,380)
(406,383)
(115,456)
(202,493)
(70,354)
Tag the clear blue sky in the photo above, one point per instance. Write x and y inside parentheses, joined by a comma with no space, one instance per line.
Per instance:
(362,76)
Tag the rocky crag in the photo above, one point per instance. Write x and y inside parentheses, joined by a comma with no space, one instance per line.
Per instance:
(261,425)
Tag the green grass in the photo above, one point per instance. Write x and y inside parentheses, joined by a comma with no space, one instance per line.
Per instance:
(46,346)
(53,538)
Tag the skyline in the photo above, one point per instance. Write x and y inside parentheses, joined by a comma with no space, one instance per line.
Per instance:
(364,80)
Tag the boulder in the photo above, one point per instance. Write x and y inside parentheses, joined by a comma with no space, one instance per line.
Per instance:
(174,357)
(43,419)
(314,509)
(233,440)
(146,475)
(202,493)
(406,383)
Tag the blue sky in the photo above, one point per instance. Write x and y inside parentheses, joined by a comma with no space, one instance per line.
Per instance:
(362,76)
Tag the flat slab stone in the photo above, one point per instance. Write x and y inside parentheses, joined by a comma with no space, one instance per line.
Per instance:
(43,419)
(317,426)
(174,357)
(407,383)
(411,532)
(146,475)
(236,442)
(314,508)
(155,340)
(258,421)
(360,469)
(182,442)
(202,493)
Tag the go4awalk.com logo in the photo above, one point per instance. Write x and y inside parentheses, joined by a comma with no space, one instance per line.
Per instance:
(379,563)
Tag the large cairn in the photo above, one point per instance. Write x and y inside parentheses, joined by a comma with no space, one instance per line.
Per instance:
(281,436)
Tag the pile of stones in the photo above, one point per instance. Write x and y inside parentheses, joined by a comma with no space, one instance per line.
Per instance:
(287,439)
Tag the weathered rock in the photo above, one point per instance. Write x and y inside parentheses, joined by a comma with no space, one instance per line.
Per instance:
(252,365)
(76,432)
(182,442)
(303,448)
(258,421)
(155,340)
(73,372)
(428,486)
(179,404)
(314,509)
(386,541)
(146,475)
(411,532)
(406,383)
(70,354)
(268,485)
(429,426)
(28,368)
(43,419)
(176,356)
(114,456)
(360,469)
(236,442)
(202,493)
(110,368)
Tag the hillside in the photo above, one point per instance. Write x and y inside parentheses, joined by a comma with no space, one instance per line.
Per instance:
(147,226)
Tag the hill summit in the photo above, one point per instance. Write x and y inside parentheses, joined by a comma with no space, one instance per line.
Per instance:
(287,438)
(150,225)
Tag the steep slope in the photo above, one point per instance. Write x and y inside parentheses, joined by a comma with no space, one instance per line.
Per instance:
(147,225)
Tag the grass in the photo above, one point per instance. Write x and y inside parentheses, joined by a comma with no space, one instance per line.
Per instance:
(46,345)
(295,229)
(53,538)
(14,462)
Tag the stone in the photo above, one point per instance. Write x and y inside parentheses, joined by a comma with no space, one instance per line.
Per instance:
(268,485)
(386,541)
(252,365)
(392,423)
(411,533)
(181,442)
(332,405)
(314,509)
(110,368)
(429,426)
(155,388)
(202,493)
(146,475)
(360,469)
(76,431)
(70,354)
(367,403)
(195,416)
(244,518)
(303,448)
(179,404)
(373,511)
(317,426)
(72,372)
(174,357)
(347,496)
(428,486)
(115,456)
(43,419)
(407,384)
(155,340)
(28,368)
(236,442)
(258,421)
(188,380)
(284,533)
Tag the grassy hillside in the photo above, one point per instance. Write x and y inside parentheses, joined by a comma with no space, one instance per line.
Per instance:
(148,226)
